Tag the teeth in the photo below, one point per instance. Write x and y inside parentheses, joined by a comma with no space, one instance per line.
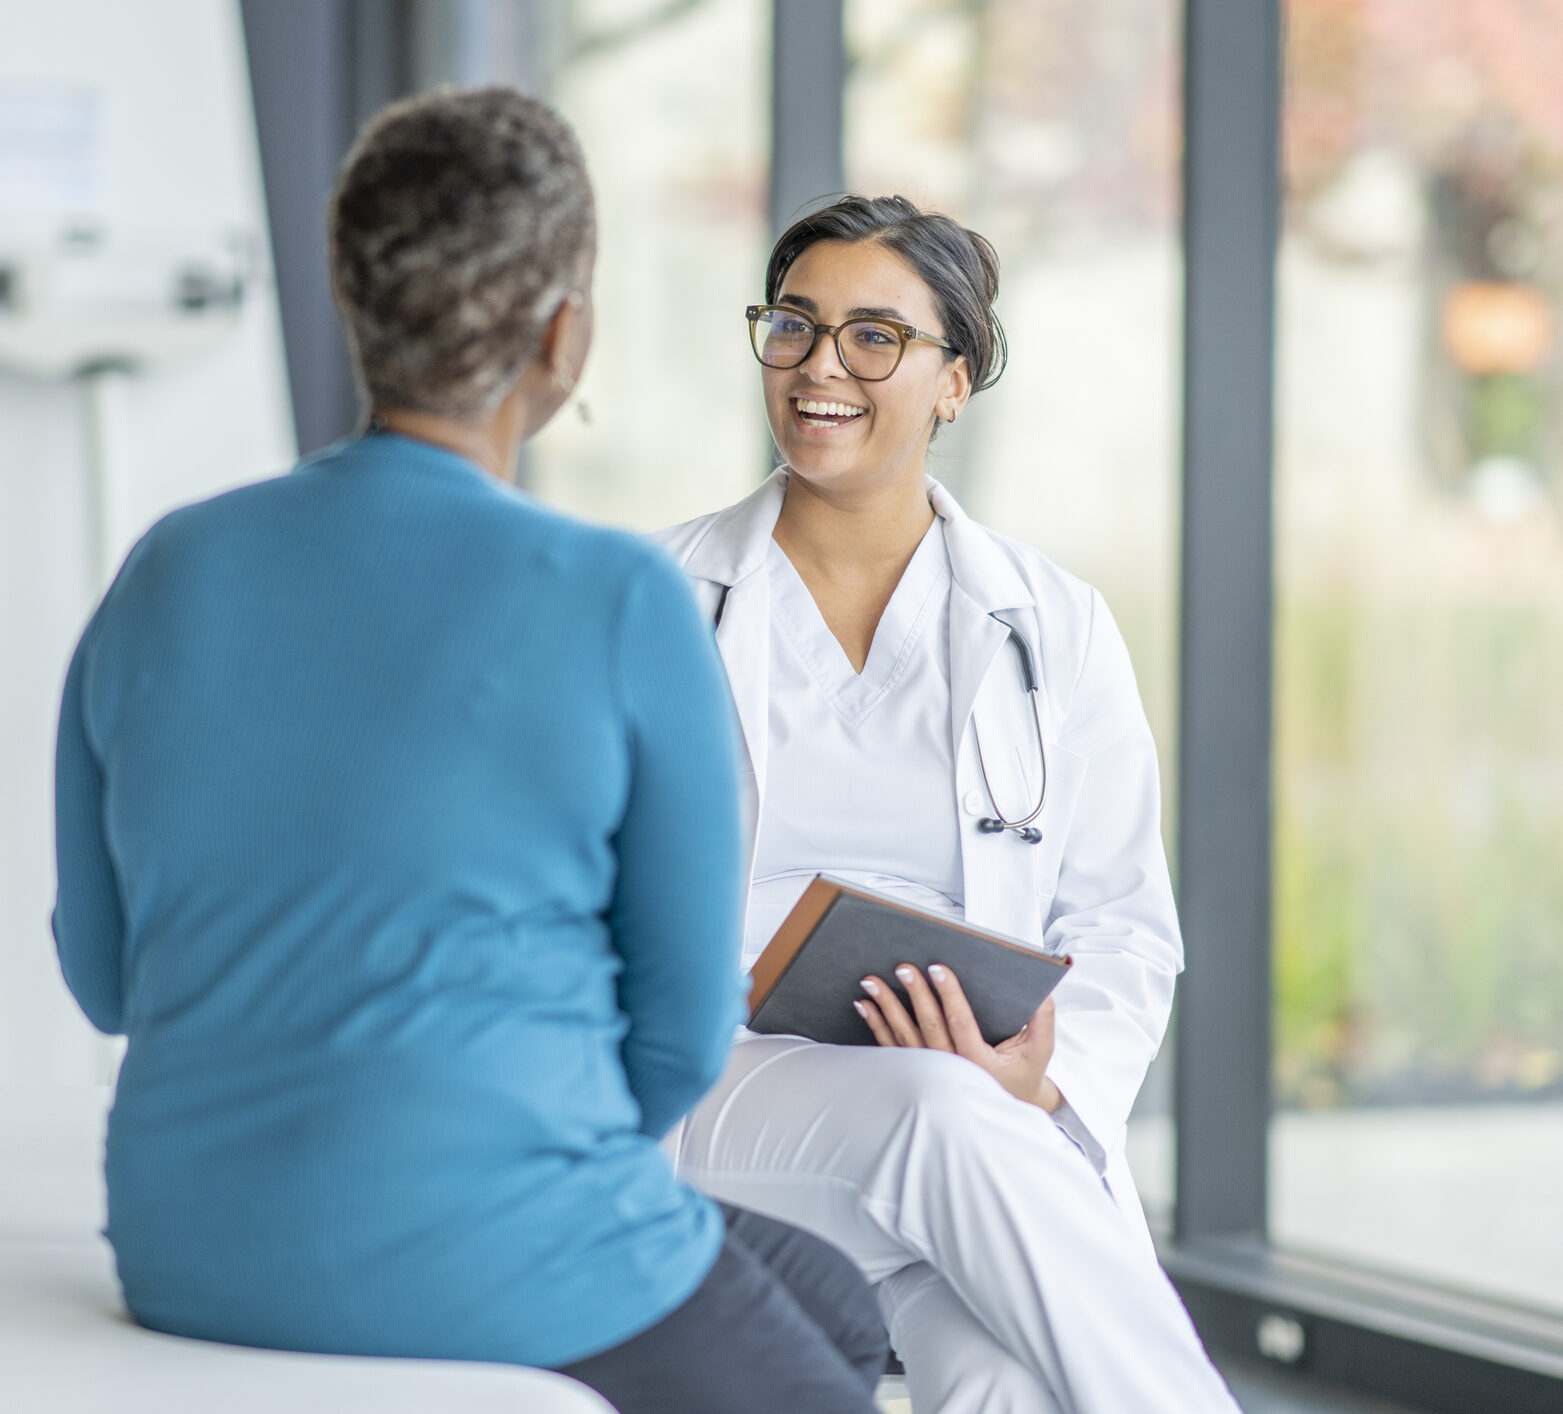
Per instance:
(826,409)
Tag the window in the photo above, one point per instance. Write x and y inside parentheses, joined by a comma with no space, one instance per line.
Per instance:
(1419,643)
(672,106)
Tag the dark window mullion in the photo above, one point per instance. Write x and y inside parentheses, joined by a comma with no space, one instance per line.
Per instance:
(808,88)
(1232,103)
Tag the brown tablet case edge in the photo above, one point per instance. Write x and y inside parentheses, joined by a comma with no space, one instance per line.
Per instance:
(812,905)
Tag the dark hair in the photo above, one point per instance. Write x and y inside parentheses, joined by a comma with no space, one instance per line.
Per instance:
(958,266)
(459,221)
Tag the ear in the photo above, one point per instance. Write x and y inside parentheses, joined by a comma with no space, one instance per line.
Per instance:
(560,349)
(954,389)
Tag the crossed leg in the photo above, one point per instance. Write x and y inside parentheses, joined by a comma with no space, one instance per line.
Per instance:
(902,1157)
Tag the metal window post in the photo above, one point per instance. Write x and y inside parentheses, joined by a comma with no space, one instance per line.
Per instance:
(1232,102)
(808,82)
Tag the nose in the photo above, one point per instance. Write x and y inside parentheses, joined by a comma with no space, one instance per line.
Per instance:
(824,360)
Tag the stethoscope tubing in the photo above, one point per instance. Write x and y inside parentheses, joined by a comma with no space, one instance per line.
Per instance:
(998,823)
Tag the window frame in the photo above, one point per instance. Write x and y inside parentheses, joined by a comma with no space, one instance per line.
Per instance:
(1393,1338)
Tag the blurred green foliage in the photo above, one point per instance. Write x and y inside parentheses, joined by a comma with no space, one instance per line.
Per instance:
(1418,849)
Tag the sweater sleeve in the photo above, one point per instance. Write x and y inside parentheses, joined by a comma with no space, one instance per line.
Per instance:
(89,924)
(676,907)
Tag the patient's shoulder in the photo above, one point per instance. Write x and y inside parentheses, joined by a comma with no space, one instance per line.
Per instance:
(601,552)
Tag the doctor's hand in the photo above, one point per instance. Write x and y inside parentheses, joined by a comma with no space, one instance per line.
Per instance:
(942,1020)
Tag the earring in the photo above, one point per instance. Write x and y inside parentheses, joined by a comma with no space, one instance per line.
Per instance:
(565,381)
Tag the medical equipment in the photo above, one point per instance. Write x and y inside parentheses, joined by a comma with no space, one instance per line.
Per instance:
(997,823)
(101,308)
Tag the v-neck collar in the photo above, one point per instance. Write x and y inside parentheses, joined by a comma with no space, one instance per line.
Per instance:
(729,546)
(901,626)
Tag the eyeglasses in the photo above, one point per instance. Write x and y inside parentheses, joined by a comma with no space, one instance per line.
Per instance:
(869,349)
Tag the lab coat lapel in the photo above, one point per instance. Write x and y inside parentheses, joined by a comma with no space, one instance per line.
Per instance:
(975,640)
(984,583)
(999,872)
(744,640)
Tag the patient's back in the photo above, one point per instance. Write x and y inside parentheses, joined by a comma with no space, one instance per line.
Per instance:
(366,757)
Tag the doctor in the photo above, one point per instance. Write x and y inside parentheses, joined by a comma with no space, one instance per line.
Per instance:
(941,714)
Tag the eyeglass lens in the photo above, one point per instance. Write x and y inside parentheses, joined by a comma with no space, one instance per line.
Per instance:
(869,348)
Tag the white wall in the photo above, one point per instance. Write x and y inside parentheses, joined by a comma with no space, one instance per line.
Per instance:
(179,155)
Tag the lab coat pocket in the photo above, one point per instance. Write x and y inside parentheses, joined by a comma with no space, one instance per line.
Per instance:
(1065,775)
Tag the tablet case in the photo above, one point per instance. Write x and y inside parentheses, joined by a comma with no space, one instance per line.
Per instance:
(806,980)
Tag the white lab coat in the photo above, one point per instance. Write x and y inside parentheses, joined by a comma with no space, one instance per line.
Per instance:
(1096,887)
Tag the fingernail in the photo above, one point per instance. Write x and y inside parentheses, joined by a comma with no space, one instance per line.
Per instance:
(870,986)
(860,1009)
(904,973)
(936,972)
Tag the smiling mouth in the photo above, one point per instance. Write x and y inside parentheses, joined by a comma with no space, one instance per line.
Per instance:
(814,412)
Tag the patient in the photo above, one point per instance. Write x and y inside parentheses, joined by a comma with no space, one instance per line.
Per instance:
(397,831)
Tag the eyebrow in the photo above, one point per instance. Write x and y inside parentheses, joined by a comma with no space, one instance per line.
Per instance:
(862,311)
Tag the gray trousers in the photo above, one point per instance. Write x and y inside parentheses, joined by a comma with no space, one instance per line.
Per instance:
(783,1323)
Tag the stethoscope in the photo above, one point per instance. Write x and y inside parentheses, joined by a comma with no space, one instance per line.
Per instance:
(997,823)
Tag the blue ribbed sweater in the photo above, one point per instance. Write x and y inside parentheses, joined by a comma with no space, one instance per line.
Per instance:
(397,830)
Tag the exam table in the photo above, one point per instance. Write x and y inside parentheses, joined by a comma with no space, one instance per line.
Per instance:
(67,1346)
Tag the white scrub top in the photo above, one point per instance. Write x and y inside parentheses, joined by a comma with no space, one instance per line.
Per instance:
(860,773)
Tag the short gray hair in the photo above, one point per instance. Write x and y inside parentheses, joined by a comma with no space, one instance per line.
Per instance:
(459,221)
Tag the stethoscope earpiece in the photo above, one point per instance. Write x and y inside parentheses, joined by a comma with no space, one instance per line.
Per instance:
(990,826)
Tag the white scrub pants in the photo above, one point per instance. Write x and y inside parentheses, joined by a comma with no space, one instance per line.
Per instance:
(1011,1281)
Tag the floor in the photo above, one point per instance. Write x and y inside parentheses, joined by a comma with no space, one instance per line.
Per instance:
(1259,1391)
(892,1397)
(1262,1391)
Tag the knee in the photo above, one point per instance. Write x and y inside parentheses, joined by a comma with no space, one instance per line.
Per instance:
(824,1282)
(945,1094)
